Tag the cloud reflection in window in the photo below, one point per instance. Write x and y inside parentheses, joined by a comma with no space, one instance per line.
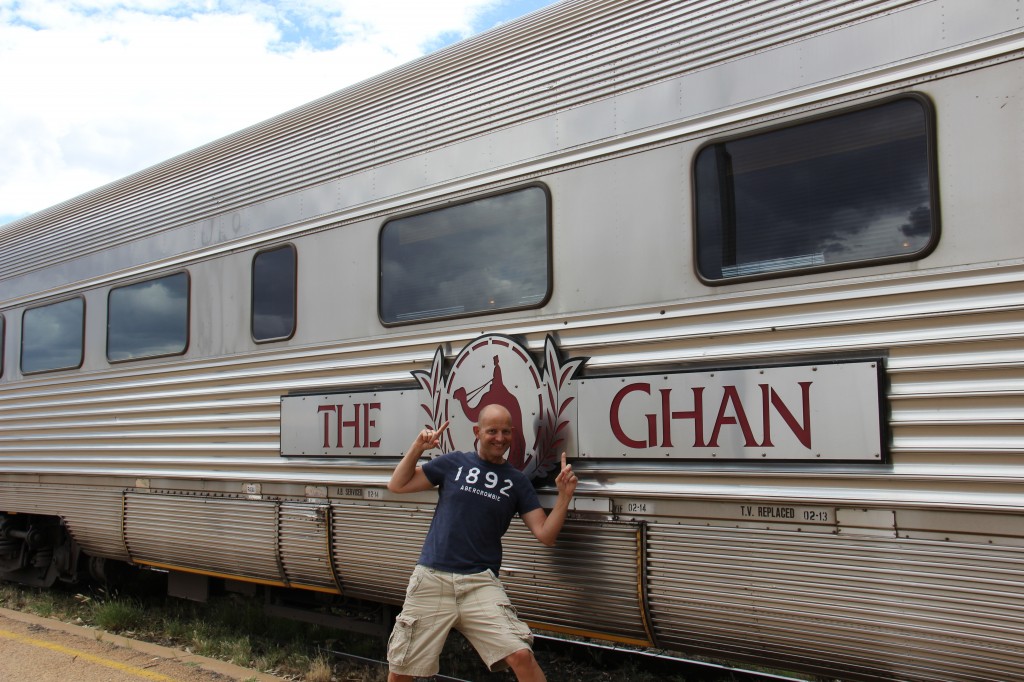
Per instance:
(273,294)
(850,188)
(53,336)
(482,256)
(148,319)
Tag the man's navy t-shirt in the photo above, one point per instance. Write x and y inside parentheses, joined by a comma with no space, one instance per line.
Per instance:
(476,503)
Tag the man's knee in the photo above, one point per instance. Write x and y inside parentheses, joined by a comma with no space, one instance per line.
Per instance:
(525,666)
(521,658)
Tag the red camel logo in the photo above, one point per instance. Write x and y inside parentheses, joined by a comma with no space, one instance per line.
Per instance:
(495,369)
(496,393)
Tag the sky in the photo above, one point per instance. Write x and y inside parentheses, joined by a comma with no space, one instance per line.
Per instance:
(94,90)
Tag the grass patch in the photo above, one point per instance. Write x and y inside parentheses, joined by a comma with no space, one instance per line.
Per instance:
(235,628)
(120,616)
(319,670)
(228,627)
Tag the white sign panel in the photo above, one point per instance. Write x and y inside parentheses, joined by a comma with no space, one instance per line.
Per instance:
(823,412)
(814,412)
(363,424)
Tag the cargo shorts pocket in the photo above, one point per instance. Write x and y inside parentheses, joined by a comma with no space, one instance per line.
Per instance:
(414,581)
(515,626)
(400,640)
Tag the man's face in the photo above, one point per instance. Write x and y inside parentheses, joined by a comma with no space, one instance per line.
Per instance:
(494,433)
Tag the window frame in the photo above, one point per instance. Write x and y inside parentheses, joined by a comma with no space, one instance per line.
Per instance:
(931,159)
(548,245)
(81,357)
(188,318)
(295,293)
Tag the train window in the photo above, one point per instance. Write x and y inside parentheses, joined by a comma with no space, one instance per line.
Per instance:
(148,319)
(274,294)
(53,336)
(486,255)
(848,190)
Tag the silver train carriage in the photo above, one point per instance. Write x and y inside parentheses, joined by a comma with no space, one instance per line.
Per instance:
(755,265)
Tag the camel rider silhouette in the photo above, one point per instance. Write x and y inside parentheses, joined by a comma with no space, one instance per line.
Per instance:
(498,394)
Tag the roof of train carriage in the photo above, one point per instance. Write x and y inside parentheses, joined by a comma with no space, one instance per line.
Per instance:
(567,54)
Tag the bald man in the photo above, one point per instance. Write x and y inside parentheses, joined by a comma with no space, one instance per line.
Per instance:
(455,583)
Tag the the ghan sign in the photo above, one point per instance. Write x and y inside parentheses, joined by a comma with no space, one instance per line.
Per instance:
(828,411)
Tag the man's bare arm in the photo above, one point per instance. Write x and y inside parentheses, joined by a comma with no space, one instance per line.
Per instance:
(407,476)
(546,527)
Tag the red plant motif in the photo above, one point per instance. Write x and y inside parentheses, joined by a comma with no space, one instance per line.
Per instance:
(557,397)
(432,382)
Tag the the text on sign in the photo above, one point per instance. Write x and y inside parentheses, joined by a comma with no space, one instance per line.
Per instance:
(731,411)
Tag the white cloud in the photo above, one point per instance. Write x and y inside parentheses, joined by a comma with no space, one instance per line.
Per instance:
(96,89)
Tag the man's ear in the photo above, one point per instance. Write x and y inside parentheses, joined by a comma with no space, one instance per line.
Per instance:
(476,431)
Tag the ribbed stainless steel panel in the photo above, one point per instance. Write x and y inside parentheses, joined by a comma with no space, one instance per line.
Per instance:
(166,419)
(853,608)
(304,545)
(551,61)
(91,514)
(950,338)
(375,547)
(221,536)
(591,581)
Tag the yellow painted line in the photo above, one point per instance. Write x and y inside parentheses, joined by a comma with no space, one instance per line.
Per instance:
(239,578)
(212,574)
(590,634)
(99,660)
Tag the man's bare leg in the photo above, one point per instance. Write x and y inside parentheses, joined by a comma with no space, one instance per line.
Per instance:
(525,666)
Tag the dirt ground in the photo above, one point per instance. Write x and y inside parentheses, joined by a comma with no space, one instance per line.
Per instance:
(42,650)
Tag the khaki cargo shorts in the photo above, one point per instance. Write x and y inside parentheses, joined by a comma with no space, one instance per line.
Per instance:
(437,602)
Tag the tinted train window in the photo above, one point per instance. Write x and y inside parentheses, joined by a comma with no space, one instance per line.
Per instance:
(273,294)
(846,190)
(148,319)
(481,256)
(53,336)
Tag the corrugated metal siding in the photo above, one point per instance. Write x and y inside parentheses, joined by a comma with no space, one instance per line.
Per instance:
(553,60)
(194,408)
(170,418)
(92,514)
(375,548)
(853,608)
(223,536)
(954,365)
(590,581)
(303,544)
(961,401)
